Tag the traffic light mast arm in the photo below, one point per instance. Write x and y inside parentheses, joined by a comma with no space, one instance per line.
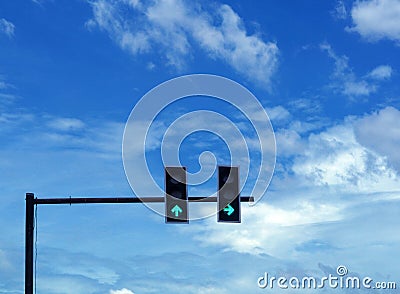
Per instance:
(116,200)
(31,201)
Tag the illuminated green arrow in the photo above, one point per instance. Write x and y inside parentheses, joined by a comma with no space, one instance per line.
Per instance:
(177,210)
(229,209)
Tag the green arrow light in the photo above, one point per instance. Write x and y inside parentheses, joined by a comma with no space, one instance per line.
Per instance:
(229,209)
(177,210)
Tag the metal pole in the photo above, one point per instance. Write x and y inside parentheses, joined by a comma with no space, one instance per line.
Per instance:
(30,218)
(116,200)
(29,229)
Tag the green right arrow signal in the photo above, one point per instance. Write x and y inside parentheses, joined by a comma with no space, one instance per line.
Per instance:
(229,209)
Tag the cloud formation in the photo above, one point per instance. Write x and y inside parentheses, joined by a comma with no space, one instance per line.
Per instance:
(340,10)
(7,27)
(381,72)
(122,291)
(334,171)
(66,124)
(380,132)
(375,20)
(347,82)
(336,159)
(142,26)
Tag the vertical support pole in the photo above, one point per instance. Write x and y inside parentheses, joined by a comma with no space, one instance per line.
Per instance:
(29,230)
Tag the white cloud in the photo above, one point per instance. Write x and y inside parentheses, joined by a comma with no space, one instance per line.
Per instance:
(66,124)
(347,82)
(12,120)
(333,174)
(4,85)
(100,137)
(60,284)
(354,155)
(7,98)
(39,2)
(376,19)
(380,131)
(335,158)
(288,142)
(7,27)
(147,27)
(278,114)
(150,66)
(340,11)
(283,230)
(122,291)
(381,72)
(269,229)
(303,127)
(358,88)
(308,106)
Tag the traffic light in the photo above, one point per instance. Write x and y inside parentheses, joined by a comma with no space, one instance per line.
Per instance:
(228,194)
(176,198)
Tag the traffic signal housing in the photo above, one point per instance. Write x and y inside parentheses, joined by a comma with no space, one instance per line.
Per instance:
(176,197)
(228,194)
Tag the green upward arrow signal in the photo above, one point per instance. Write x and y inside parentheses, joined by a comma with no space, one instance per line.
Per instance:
(229,209)
(177,210)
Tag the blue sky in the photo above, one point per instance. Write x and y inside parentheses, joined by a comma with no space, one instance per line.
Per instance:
(327,74)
